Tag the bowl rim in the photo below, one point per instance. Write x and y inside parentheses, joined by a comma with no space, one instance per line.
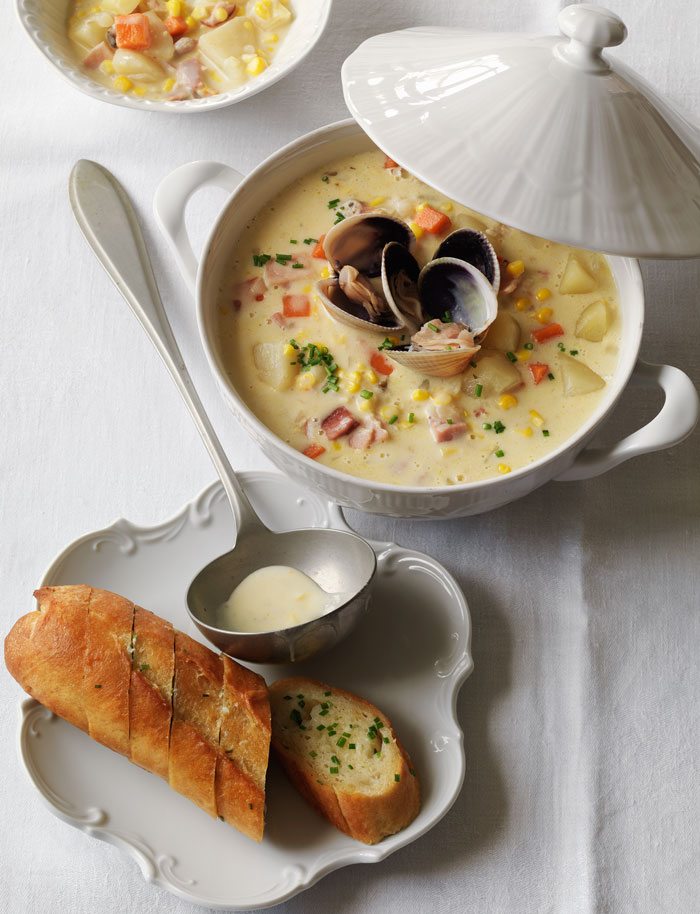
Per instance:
(93,89)
(627,359)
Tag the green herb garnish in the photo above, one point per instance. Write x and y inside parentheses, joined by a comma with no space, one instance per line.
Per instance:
(528,345)
(478,390)
(545,432)
(550,376)
(498,427)
(387,344)
(487,426)
(310,240)
(393,419)
(411,417)
(366,394)
(296,717)
(338,218)
(333,770)
(333,203)
(500,453)
(259,260)
(341,742)
(511,356)
(310,355)
(433,328)
(397,777)
(325,179)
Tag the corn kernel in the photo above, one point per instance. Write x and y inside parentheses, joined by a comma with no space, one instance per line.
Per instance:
(526,432)
(198,13)
(289,349)
(544,315)
(355,376)
(325,273)
(336,445)
(122,83)
(522,355)
(168,85)
(191,23)
(371,377)
(416,229)
(255,66)
(262,9)
(306,380)
(175,7)
(543,294)
(515,268)
(448,451)
(139,90)
(446,207)
(419,394)
(107,67)
(443,398)
(220,14)
(507,401)
(536,418)
(377,201)
(365,405)
(271,37)
(522,304)
(360,367)
(352,387)
(307,289)
(503,468)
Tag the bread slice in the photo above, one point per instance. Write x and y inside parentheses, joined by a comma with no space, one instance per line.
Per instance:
(45,651)
(151,691)
(194,735)
(244,744)
(108,669)
(343,756)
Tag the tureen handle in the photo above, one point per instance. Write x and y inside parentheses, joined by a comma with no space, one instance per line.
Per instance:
(674,422)
(589,28)
(170,203)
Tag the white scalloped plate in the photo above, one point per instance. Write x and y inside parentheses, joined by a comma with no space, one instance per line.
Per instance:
(409,655)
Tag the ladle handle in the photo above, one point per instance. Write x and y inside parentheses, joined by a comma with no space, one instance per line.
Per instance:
(108,222)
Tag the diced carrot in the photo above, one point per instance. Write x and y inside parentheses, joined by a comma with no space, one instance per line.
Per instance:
(296,306)
(539,371)
(547,332)
(133,32)
(432,220)
(381,363)
(390,163)
(176,25)
(314,450)
(318,251)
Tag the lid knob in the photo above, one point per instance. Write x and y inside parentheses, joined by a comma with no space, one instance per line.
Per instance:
(590,28)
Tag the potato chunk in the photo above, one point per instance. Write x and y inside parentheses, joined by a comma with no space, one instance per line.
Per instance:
(270,14)
(274,366)
(228,40)
(90,31)
(495,373)
(576,279)
(504,333)
(593,322)
(136,65)
(162,45)
(578,378)
(119,7)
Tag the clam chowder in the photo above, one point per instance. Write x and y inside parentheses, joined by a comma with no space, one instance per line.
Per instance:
(172,49)
(394,335)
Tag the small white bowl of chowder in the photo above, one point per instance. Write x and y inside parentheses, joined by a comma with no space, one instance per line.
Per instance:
(332,281)
(174,55)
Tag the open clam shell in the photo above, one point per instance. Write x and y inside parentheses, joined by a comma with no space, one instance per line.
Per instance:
(400,272)
(434,364)
(448,286)
(343,309)
(474,248)
(358,241)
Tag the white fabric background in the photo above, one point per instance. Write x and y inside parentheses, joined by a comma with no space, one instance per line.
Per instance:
(581,716)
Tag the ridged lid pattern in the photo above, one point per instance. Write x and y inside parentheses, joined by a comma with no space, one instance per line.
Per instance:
(546,134)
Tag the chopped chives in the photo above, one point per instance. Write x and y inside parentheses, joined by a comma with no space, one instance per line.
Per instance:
(259,260)
(500,453)
(338,218)
(498,427)
(333,203)
(487,426)
(323,713)
(447,317)
(313,753)
(333,770)
(352,746)
(296,717)
(511,356)
(366,394)
(310,240)
(573,351)
(561,347)
(335,759)
(297,266)
(473,363)
(397,777)
(386,739)
(293,241)
(351,768)
(545,432)
(433,328)
(450,421)
(550,376)
(327,693)
(341,742)
(387,344)
(283,258)
(393,419)
(411,417)
(528,345)
(321,727)
(478,390)
(325,179)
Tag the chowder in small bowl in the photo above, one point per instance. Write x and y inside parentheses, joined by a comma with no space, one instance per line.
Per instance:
(332,345)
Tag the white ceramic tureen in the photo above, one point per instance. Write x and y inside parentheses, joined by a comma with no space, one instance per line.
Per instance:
(605,164)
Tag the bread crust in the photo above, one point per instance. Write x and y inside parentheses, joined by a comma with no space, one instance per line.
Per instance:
(151,691)
(108,669)
(366,817)
(45,650)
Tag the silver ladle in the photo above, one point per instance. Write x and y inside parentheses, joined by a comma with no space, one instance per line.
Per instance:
(337,560)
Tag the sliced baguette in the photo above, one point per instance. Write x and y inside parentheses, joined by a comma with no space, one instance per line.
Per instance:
(343,756)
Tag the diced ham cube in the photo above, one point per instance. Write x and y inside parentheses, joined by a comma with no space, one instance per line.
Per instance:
(247,292)
(361,437)
(443,430)
(281,274)
(296,305)
(338,423)
(279,319)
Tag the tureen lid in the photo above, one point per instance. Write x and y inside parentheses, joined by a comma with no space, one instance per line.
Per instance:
(546,134)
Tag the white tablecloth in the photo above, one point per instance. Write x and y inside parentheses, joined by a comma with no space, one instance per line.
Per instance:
(581,715)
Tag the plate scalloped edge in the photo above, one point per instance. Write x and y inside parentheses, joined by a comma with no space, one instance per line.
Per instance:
(159,868)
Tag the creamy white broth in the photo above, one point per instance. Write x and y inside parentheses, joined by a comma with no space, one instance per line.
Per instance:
(409,455)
